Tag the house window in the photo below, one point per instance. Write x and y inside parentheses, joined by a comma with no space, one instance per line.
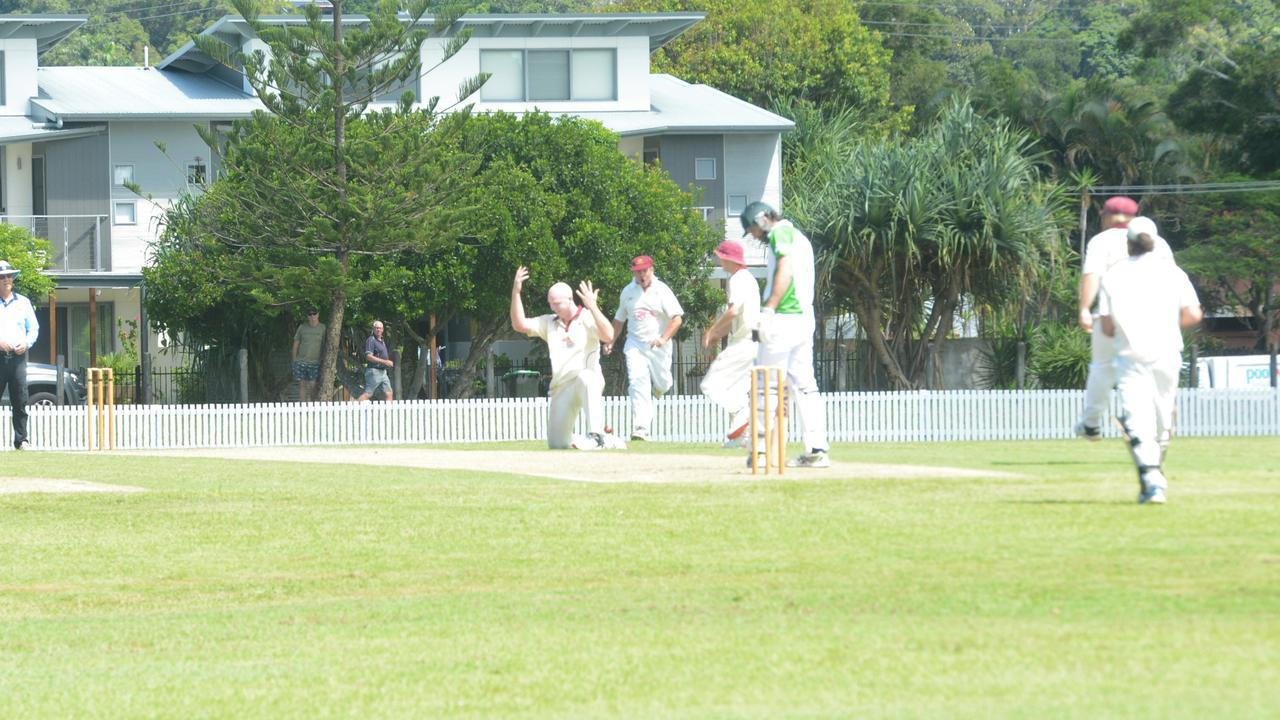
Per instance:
(549,75)
(595,75)
(506,74)
(704,169)
(197,173)
(122,175)
(737,203)
(126,213)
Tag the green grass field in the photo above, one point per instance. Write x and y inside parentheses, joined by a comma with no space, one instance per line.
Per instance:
(266,590)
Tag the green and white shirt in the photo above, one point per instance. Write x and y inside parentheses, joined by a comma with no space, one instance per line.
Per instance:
(786,241)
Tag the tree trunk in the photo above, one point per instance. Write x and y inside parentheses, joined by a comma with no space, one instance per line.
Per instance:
(333,337)
(480,345)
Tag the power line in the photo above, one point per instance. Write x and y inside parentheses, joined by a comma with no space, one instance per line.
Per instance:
(1187,189)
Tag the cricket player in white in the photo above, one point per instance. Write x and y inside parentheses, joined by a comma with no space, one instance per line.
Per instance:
(1144,303)
(728,380)
(653,316)
(1104,251)
(787,324)
(573,336)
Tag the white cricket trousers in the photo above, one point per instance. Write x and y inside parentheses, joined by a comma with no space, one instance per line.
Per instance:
(728,380)
(1102,377)
(1147,391)
(789,344)
(648,371)
(583,393)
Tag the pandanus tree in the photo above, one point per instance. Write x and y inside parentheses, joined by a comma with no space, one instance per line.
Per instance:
(908,231)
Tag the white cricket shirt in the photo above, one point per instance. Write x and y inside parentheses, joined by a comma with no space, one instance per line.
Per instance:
(1144,297)
(646,312)
(574,348)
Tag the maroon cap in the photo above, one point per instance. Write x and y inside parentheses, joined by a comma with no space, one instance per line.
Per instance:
(731,250)
(1120,206)
(641,262)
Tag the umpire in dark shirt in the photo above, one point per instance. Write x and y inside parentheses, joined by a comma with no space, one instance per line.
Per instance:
(377,362)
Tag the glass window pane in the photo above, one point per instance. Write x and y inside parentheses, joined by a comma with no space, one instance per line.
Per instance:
(123,174)
(125,214)
(704,169)
(595,75)
(506,68)
(737,203)
(548,74)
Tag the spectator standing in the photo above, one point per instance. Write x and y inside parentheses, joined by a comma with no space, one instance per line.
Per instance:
(307,341)
(18,332)
(377,362)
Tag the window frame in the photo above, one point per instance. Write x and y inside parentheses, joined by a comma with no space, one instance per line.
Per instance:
(115,169)
(115,212)
(525,74)
(698,176)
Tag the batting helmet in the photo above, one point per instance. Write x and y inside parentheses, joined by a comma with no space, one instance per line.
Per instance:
(752,212)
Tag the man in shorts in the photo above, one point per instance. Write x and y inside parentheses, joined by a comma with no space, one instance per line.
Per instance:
(307,341)
(377,362)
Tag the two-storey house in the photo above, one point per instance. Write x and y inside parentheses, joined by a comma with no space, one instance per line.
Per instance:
(73,140)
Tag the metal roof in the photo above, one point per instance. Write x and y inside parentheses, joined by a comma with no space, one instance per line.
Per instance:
(46,30)
(660,28)
(680,107)
(133,93)
(24,129)
(116,93)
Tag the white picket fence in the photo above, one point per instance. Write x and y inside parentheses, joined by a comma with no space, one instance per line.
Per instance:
(851,417)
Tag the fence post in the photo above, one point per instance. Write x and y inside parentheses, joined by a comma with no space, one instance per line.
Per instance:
(488,374)
(1273,365)
(1020,373)
(395,373)
(58,395)
(243,357)
(1193,375)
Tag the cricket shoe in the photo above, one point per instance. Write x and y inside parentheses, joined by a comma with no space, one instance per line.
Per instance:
(762,461)
(734,442)
(1088,432)
(640,434)
(1153,485)
(813,459)
(590,441)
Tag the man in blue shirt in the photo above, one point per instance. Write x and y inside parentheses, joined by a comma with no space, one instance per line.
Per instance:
(18,332)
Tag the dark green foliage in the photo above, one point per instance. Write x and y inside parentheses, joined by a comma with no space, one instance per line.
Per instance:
(1059,356)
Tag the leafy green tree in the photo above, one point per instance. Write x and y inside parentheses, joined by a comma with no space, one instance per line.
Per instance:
(908,231)
(1231,252)
(761,50)
(29,254)
(558,196)
(1229,53)
(316,183)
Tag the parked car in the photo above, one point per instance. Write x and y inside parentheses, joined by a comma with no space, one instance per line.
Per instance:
(42,384)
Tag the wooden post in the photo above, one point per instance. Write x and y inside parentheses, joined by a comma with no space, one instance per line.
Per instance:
(1084,226)
(431,360)
(53,329)
(93,327)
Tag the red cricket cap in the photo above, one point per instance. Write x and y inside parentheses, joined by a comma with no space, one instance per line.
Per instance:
(641,262)
(1120,205)
(731,250)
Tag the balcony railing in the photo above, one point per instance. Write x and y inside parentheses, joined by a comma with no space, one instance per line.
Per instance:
(78,240)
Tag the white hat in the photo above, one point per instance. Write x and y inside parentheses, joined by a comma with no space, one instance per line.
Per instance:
(1140,225)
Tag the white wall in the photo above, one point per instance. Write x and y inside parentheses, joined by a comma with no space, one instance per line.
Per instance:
(752,168)
(19,75)
(161,175)
(633,71)
(17,181)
